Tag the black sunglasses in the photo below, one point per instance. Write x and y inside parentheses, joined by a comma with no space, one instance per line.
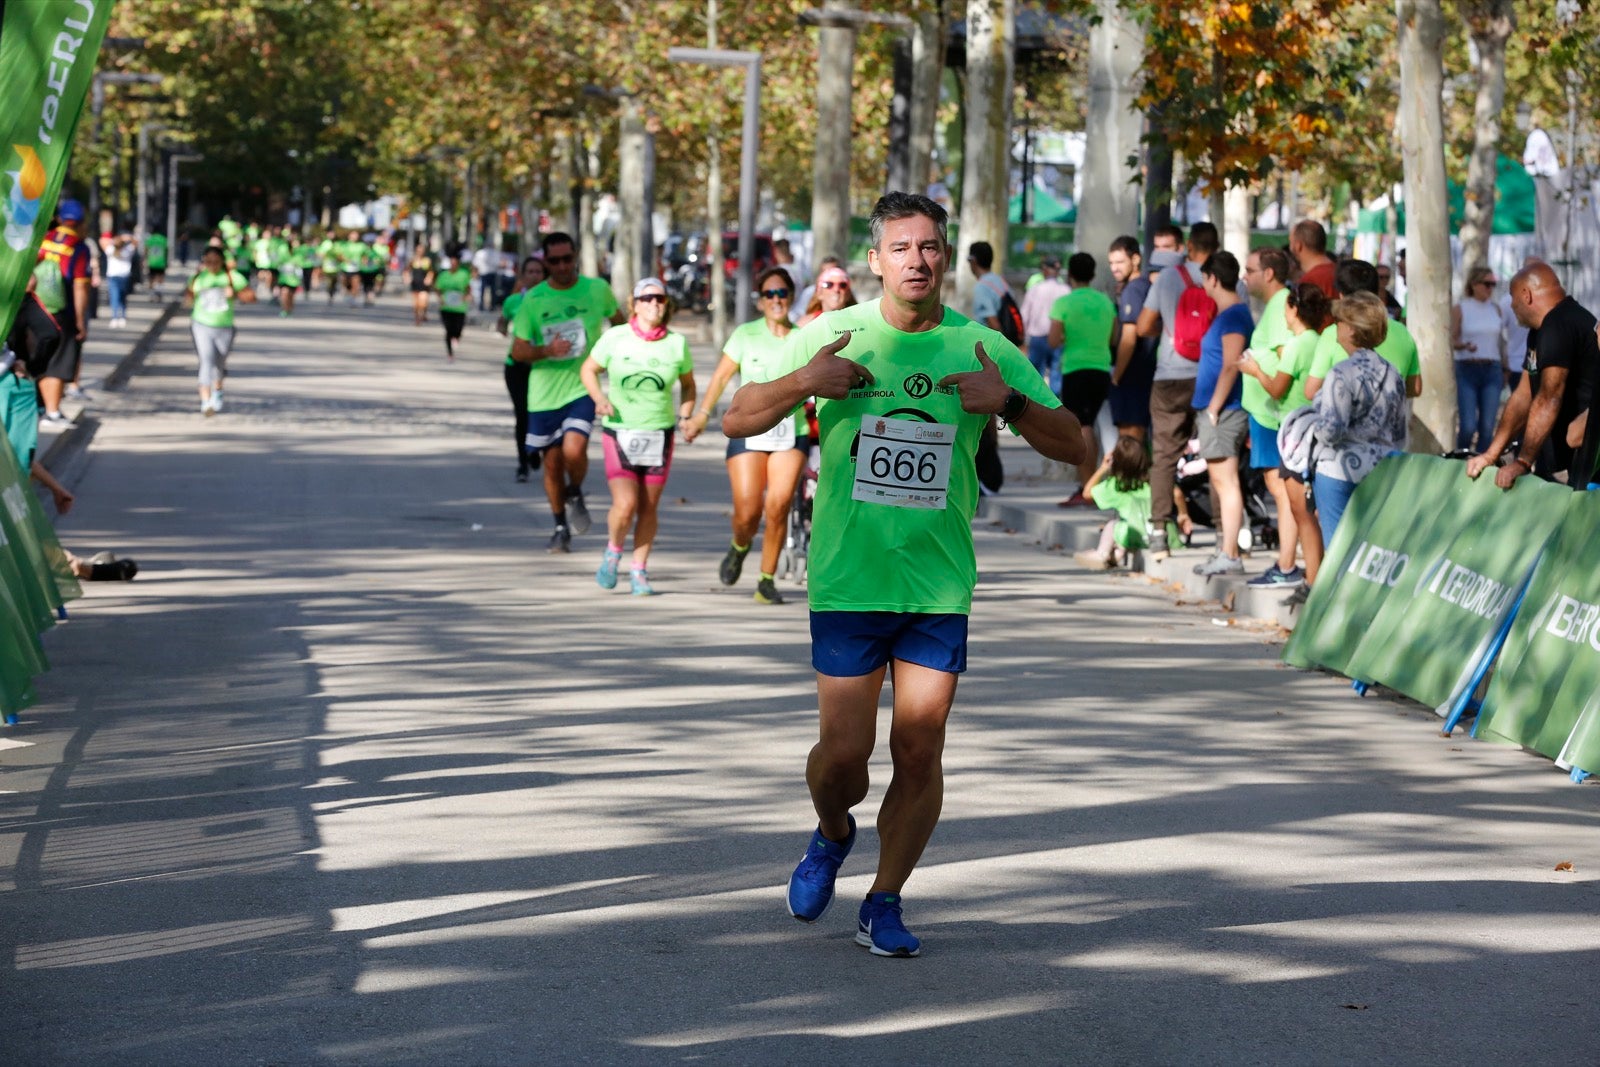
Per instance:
(775,294)
(650,298)
(559,259)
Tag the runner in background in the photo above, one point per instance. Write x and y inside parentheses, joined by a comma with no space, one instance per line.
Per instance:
(155,263)
(385,255)
(570,312)
(640,361)
(452,283)
(422,276)
(763,469)
(328,263)
(351,251)
(263,255)
(211,294)
(291,272)
(516,374)
(831,293)
(372,264)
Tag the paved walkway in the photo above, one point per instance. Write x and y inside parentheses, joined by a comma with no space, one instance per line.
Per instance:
(356,773)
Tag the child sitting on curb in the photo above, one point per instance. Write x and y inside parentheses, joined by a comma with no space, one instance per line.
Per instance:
(1121,484)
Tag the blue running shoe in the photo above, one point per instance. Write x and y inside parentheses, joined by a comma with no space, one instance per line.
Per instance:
(811,884)
(639,583)
(881,929)
(606,576)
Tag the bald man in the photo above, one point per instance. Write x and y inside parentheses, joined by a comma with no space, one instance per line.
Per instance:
(1556,389)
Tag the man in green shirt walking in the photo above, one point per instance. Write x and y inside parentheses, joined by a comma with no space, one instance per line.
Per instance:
(904,386)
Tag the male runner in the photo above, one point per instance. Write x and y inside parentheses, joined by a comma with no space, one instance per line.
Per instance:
(892,567)
(570,313)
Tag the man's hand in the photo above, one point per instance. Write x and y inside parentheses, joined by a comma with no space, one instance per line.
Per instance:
(982,391)
(63,499)
(831,376)
(558,348)
(1480,463)
(1507,476)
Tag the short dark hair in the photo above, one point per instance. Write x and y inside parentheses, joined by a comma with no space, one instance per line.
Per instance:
(775,272)
(1310,233)
(893,206)
(1223,266)
(531,259)
(1171,230)
(1275,260)
(1355,276)
(1203,238)
(556,238)
(1127,245)
(981,253)
(1080,268)
(1312,305)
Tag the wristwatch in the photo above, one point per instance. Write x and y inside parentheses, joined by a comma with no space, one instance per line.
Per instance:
(1016,403)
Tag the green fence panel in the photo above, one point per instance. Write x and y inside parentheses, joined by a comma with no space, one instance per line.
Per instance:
(1428,640)
(1546,687)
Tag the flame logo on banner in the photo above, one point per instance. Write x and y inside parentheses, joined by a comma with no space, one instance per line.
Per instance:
(21,206)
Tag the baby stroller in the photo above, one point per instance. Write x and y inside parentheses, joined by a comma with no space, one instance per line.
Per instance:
(797,539)
(1260,528)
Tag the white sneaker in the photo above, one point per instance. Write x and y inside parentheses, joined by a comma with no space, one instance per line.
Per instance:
(207,408)
(216,400)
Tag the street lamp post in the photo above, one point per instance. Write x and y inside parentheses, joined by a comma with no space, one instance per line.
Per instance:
(172,193)
(97,105)
(751,62)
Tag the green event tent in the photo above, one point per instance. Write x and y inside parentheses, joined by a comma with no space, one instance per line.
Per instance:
(1043,207)
(1514,205)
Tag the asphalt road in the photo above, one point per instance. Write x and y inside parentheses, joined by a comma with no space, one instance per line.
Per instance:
(356,773)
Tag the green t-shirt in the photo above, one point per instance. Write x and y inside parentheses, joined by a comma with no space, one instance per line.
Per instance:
(763,357)
(211,304)
(1398,348)
(1132,508)
(508,311)
(261,252)
(1296,361)
(350,254)
(870,556)
(328,255)
(453,285)
(372,260)
(290,269)
(155,251)
(579,314)
(1271,333)
(1086,316)
(640,375)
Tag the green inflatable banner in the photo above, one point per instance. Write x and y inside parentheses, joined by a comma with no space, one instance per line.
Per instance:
(1545,693)
(48,50)
(1481,543)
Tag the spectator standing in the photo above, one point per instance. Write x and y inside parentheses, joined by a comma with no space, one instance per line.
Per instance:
(1222,425)
(1134,364)
(1358,276)
(1036,305)
(1516,334)
(1308,244)
(1266,272)
(1556,390)
(1360,412)
(1172,387)
(1386,293)
(119,277)
(1307,312)
(65,247)
(1083,325)
(484,263)
(1477,334)
(991,289)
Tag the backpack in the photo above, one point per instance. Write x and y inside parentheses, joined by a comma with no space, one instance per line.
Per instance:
(1010,316)
(1193,317)
(49,287)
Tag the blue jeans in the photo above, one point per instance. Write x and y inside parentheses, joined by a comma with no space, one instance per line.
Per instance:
(1047,361)
(1332,495)
(118,288)
(1478,400)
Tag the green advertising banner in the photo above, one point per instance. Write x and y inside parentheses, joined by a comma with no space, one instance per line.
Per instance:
(1545,693)
(1435,628)
(48,50)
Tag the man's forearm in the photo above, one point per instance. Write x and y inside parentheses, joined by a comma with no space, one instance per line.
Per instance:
(1542,414)
(759,406)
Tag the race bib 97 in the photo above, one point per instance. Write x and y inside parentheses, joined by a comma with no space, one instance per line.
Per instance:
(643,448)
(904,464)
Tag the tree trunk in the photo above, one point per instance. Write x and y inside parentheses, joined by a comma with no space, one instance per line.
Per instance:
(719,306)
(1110,204)
(1492,22)
(626,265)
(1427,218)
(986,180)
(1236,220)
(588,243)
(830,188)
(1157,179)
(927,70)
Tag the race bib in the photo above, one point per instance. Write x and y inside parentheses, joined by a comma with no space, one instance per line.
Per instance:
(453,300)
(213,301)
(778,439)
(904,464)
(573,331)
(643,448)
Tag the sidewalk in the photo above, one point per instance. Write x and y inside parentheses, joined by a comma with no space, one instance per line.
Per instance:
(1028,503)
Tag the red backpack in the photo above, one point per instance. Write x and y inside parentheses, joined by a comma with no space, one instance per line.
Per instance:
(1193,317)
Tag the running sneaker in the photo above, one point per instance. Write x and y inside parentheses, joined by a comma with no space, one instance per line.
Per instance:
(811,885)
(732,564)
(767,592)
(1274,577)
(216,400)
(639,580)
(1220,564)
(55,418)
(577,510)
(75,392)
(606,576)
(207,408)
(561,540)
(881,929)
(522,474)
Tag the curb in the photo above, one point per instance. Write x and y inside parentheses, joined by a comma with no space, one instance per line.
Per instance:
(1175,573)
(130,364)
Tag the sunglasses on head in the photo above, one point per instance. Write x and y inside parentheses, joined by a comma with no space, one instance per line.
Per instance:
(650,298)
(559,259)
(775,294)
(834,285)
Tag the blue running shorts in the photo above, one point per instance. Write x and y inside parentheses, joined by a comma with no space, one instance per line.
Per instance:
(546,428)
(848,644)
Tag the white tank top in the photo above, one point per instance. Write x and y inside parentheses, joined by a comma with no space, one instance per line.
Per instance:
(1480,325)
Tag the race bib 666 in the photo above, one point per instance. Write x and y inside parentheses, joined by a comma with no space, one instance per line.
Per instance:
(904,463)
